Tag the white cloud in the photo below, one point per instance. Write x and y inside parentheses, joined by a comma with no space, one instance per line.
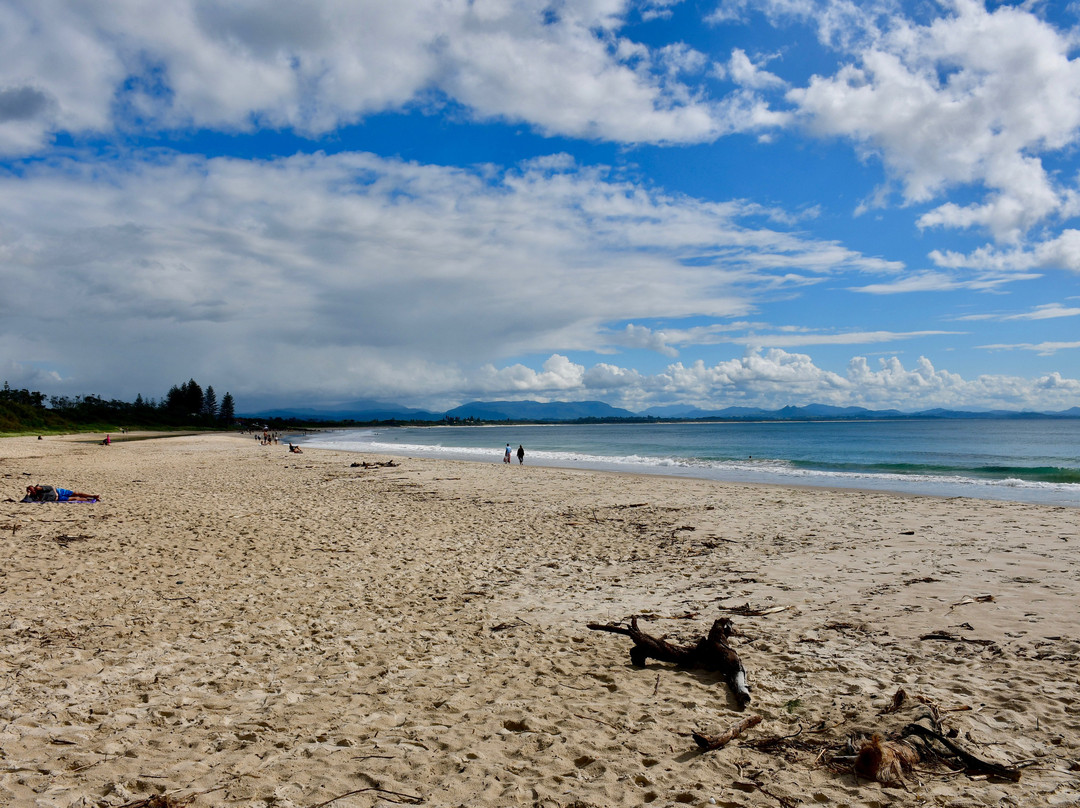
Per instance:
(639,336)
(1048,311)
(942,282)
(757,377)
(916,282)
(969,99)
(608,377)
(755,335)
(356,272)
(26,376)
(747,74)
(1041,348)
(565,68)
(776,378)
(972,99)
(923,382)
(336,268)
(657,9)
(843,24)
(681,58)
(1060,252)
(843,338)
(559,375)
(1056,382)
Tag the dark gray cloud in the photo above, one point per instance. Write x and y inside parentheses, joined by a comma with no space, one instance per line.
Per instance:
(23,104)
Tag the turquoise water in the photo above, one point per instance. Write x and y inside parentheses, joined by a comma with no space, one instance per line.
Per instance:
(1022,460)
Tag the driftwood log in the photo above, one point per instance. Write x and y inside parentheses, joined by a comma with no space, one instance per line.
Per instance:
(711,652)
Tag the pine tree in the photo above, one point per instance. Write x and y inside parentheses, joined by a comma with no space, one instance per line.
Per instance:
(174,400)
(226,412)
(210,405)
(193,398)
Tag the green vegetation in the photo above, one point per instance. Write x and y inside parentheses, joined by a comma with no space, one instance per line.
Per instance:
(185,406)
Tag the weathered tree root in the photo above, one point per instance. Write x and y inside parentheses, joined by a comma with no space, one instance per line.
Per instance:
(888,761)
(972,764)
(712,653)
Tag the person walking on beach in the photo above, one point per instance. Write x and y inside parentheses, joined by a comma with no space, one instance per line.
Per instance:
(521,454)
(506,455)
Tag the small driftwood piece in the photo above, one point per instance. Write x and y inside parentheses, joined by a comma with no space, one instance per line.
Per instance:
(711,652)
(708,743)
(388,796)
(160,801)
(746,610)
(948,636)
(898,699)
(66,541)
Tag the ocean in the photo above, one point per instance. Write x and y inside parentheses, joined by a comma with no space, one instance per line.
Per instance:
(1020,460)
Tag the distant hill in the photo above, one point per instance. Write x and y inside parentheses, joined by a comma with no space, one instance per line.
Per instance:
(538,410)
(788,413)
(828,411)
(965,415)
(554,411)
(362,410)
(672,411)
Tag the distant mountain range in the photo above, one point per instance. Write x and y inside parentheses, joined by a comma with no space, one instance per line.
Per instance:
(556,411)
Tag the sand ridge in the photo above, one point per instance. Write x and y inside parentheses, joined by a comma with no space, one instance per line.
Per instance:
(243,626)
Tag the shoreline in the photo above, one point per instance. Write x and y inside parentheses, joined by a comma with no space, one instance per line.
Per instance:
(1048,494)
(239,625)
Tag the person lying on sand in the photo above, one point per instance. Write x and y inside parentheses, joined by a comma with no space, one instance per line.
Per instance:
(48,493)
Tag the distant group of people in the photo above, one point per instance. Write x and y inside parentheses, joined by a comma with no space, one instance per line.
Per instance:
(267,438)
(509,453)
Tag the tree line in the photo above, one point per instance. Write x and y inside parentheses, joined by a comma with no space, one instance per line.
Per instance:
(185,405)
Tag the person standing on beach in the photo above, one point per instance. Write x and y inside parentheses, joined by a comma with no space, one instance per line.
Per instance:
(521,454)
(506,456)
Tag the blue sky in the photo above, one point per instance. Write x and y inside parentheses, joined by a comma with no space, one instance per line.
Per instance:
(707,202)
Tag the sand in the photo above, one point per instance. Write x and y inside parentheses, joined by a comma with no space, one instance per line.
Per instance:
(237,625)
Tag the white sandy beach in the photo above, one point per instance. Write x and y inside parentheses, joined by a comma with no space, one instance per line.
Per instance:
(237,625)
